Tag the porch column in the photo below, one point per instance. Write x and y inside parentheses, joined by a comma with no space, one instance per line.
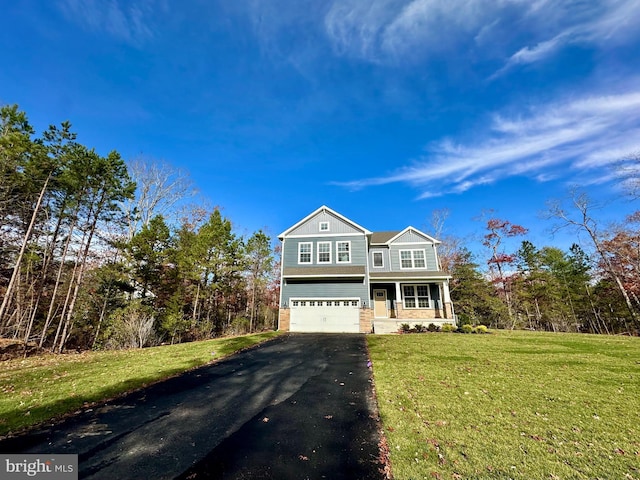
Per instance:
(398,292)
(446,297)
(445,289)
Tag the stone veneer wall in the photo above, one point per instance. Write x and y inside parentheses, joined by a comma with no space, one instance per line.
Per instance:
(284,320)
(422,314)
(366,320)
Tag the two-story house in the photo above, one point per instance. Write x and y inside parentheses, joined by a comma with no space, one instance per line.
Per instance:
(340,277)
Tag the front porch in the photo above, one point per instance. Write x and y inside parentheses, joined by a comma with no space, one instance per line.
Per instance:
(412,302)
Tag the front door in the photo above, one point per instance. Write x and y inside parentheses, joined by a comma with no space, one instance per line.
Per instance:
(380,303)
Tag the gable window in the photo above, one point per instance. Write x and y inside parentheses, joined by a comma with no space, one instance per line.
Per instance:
(412,259)
(378,262)
(343,250)
(324,252)
(304,252)
(324,226)
(416,296)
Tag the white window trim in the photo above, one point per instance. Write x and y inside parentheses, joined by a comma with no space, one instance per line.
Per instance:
(413,260)
(416,296)
(310,253)
(318,252)
(320,225)
(373,262)
(338,251)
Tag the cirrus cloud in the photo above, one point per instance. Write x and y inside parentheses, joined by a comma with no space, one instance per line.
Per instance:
(562,139)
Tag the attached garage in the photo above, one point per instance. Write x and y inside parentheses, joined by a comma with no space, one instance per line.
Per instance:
(336,315)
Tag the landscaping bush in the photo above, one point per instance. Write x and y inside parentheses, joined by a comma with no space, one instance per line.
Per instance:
(448,327)
(404,328)
(419,328)
(432,327)
(466,328)
(482,329)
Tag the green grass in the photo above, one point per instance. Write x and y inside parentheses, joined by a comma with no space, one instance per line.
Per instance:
(518,405)
(39,388)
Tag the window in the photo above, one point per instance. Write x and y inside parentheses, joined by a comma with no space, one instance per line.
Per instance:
(344,252)
(416,296)
(412,259)
(304,252)
(377,260)
(324,226)
(324,252)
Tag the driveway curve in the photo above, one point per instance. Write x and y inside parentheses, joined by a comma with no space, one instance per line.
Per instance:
(299,406)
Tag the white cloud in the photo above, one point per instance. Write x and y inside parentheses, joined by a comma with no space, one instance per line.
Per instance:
(591,23)
(577,136)
(392,31)
(127,21)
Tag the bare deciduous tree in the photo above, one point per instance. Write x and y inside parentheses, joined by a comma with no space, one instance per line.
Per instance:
(159,187)
(579,218)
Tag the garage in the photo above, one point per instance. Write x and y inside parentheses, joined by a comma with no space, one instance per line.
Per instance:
(339,315)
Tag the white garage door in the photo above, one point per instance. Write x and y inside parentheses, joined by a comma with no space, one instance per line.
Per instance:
(325,316)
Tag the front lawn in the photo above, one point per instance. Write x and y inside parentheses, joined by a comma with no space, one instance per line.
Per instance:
(42,387)
(520,405)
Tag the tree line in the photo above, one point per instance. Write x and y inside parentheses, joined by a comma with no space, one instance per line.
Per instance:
(96,252)
(592,288)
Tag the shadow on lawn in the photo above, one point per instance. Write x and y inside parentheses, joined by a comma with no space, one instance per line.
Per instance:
(54,412)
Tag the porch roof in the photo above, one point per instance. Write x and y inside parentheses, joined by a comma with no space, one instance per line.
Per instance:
(417,276)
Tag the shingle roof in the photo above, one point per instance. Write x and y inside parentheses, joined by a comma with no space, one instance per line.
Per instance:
(346,270)
(415,274)
(383,237)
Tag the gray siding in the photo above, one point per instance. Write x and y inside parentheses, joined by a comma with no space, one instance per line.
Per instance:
(410,237)
(386,264)
(326,289)
(312,226)
(358,250)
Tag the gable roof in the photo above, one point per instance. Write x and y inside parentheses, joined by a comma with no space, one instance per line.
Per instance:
(408,229)
(316,212)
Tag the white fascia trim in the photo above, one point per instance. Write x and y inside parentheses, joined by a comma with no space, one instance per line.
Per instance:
(327,209)
(409,280)
(323,298)
(352,275)
(429,237)
(321,235)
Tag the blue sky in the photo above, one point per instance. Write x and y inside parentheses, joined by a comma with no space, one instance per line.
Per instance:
(384,110)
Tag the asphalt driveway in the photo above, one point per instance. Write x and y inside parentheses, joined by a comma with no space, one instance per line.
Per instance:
(296,407)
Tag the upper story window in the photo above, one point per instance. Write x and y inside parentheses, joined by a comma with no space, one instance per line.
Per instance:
(324,226)
(343,250)
(412,259)
(324,252)
(304,252)
(378,261)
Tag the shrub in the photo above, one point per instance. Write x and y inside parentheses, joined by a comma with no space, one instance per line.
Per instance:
(432,327)
(131,326)
(466,328)
(419,328)
(405,328)
(482,329)
(448,327)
